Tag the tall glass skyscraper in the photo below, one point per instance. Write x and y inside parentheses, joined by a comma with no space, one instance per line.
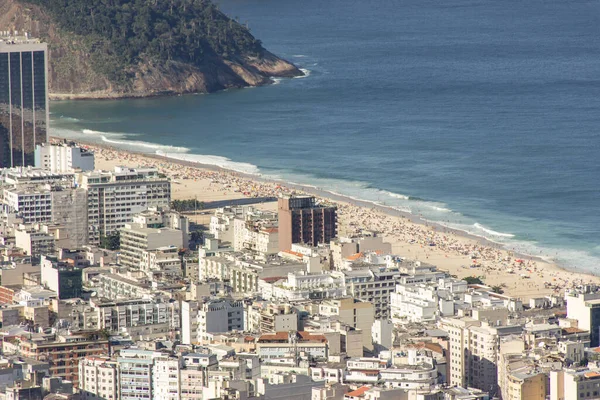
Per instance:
(23,99)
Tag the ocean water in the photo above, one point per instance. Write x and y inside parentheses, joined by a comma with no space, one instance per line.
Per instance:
(479,114)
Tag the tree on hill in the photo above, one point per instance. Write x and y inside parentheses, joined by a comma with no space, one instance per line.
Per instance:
(123,33)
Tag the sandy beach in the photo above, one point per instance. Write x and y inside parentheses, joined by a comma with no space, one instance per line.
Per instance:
(459,254)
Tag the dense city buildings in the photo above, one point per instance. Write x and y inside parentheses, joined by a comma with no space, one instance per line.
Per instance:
(168,309)
(23,99)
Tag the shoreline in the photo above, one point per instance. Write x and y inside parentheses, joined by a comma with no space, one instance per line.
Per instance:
(325,194)
(412,237)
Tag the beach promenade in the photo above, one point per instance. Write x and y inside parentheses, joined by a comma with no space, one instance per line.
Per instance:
(459,254)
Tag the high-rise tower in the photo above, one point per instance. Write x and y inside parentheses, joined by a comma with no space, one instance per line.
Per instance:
(23,99)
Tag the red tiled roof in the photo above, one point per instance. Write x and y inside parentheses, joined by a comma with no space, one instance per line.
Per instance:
(354,257)
(293,253)
(358,392)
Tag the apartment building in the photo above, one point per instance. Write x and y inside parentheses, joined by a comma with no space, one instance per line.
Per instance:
(353,312)
(146,317)
(584,306)
(303,220)
(62,277)
(165,378)
(219,315)
(135,373)
(373,284)
(575,384)
(301,285)
(98,378)
(473,351)
(114,197)
(282,345)
(256,231)
(137,240)
(63,157)
(115,287)
(243,270)
(63,352)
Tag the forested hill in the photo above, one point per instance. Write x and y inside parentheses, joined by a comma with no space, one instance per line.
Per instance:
(114,48)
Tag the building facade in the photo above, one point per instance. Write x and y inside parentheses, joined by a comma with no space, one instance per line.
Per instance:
(23,99)
(302,220)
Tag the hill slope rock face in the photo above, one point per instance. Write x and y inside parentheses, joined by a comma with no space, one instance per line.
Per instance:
(140,48)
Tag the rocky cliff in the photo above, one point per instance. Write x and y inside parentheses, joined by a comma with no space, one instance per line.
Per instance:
(139,48)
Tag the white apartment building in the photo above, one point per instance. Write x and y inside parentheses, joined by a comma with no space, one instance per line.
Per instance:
(115,287)
(114,197)
(165,378)
(424,302)
(33,204)
(162,218)
(270,317)
(147,317)
(411,377)
(344,247)
(221,223)
(35,240)
(189,322)
(136,240)
(585,308)
(194,375)
(135,373)
(63,157)
(98,378)
(244,270)
(290,345)
(256,231)
(300,285)
(32,176)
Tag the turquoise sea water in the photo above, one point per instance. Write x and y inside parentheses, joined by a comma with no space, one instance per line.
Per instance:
(482,115)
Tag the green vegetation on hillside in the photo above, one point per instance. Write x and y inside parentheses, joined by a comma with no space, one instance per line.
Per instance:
(122,33)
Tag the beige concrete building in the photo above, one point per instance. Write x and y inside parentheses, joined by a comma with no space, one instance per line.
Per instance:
(137,240)
(575,384)
(473,350)
(355,313)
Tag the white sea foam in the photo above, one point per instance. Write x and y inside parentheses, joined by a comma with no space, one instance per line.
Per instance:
(65,118)
(276,81)
(218,161)
(492,232)
(299,56)
(306,73)
(395,195)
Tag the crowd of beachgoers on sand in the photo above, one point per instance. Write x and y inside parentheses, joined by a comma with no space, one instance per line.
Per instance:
(425,241)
